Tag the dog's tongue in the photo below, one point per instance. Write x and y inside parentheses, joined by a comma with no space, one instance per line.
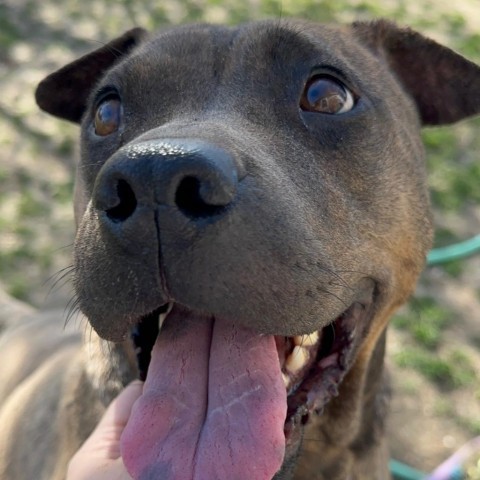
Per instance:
(213,406)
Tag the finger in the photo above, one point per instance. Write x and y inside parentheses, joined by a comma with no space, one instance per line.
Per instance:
(118,412)
(97,470)
(104,442)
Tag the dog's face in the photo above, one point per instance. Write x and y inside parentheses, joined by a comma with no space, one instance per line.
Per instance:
(259,191)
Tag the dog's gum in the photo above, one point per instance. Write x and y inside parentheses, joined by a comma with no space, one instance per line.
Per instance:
(297,359)
(329,361)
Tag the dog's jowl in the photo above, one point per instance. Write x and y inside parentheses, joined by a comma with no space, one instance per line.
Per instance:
(251,208)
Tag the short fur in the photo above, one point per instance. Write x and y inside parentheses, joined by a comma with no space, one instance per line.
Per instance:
(327,206)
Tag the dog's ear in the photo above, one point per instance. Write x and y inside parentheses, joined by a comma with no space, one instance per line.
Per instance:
(444,85)
(65,92)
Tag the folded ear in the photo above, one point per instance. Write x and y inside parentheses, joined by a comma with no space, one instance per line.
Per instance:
(444,85)
(64,93)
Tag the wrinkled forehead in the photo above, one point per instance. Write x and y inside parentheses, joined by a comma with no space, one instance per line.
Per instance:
(283,47)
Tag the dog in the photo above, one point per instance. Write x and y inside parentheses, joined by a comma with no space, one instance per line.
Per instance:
(251,208)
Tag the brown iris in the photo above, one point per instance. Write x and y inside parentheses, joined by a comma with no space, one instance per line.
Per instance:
(108,116)
(324,94)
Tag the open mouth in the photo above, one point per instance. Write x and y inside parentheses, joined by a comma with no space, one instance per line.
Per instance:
(312,365)
(308,368)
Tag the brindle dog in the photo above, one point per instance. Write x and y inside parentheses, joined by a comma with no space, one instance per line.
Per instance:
(251,208)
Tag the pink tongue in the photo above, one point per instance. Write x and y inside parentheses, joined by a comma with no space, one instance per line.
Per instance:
(213,406)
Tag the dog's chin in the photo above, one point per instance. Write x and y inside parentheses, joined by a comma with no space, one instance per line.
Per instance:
(312,366)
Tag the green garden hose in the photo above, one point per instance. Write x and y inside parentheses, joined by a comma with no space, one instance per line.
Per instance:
(400,471)
(454,252)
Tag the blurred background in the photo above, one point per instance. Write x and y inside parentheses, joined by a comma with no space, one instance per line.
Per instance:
(434,345)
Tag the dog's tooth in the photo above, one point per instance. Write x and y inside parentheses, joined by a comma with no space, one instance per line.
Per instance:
(311,339)
(306,340)
(297,340)
(297,359)
(163,316)
(286,380)
(161,319)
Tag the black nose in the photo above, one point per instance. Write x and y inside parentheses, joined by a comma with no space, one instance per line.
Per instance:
(195,177)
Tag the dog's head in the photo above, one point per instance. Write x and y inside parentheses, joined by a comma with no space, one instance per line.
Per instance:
(260,193)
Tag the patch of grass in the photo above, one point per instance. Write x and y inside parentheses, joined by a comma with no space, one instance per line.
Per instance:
(23,177)
(468,44)
(20,254)
(444,237)
(31,207)
(453,181)
(454,268)
(465,371)
(469,423)
(475,339)
(66,147)
(465,183)
(8,33)
(439,140)
(26,232)
(44,259)
(436,370)
(410,386)
(3,175)
(62,193)
(443,407)
(425,321)
(448,373)
(456,23)
(18,288)
(24,265)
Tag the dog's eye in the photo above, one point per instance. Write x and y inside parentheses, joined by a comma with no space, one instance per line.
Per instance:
(324,94)
(108,116)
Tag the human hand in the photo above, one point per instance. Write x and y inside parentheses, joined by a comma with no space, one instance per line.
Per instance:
(99,457)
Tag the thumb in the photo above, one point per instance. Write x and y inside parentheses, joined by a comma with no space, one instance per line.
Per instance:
(99,456)
(116,416)
(105,439)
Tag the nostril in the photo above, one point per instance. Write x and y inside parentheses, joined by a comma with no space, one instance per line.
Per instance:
(127,203)
(189,200)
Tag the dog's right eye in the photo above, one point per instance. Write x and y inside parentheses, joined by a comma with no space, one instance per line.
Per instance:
(108,116)
(325,94)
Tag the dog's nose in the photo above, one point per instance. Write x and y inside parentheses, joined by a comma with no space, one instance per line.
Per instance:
(195,177)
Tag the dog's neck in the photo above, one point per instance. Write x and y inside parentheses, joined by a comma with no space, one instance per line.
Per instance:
(340,437)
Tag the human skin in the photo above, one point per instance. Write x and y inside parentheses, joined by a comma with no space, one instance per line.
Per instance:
(99,457)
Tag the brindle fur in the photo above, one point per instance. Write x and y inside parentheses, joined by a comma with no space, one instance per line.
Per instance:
(329,202)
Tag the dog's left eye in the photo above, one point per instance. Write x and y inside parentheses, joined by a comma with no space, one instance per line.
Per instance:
(108,116)
(324,94)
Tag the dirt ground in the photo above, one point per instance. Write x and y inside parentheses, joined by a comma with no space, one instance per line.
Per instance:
(435,374)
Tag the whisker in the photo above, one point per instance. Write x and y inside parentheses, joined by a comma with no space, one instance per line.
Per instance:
(328,292)
(63,277)
(333,331)
(72,309)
